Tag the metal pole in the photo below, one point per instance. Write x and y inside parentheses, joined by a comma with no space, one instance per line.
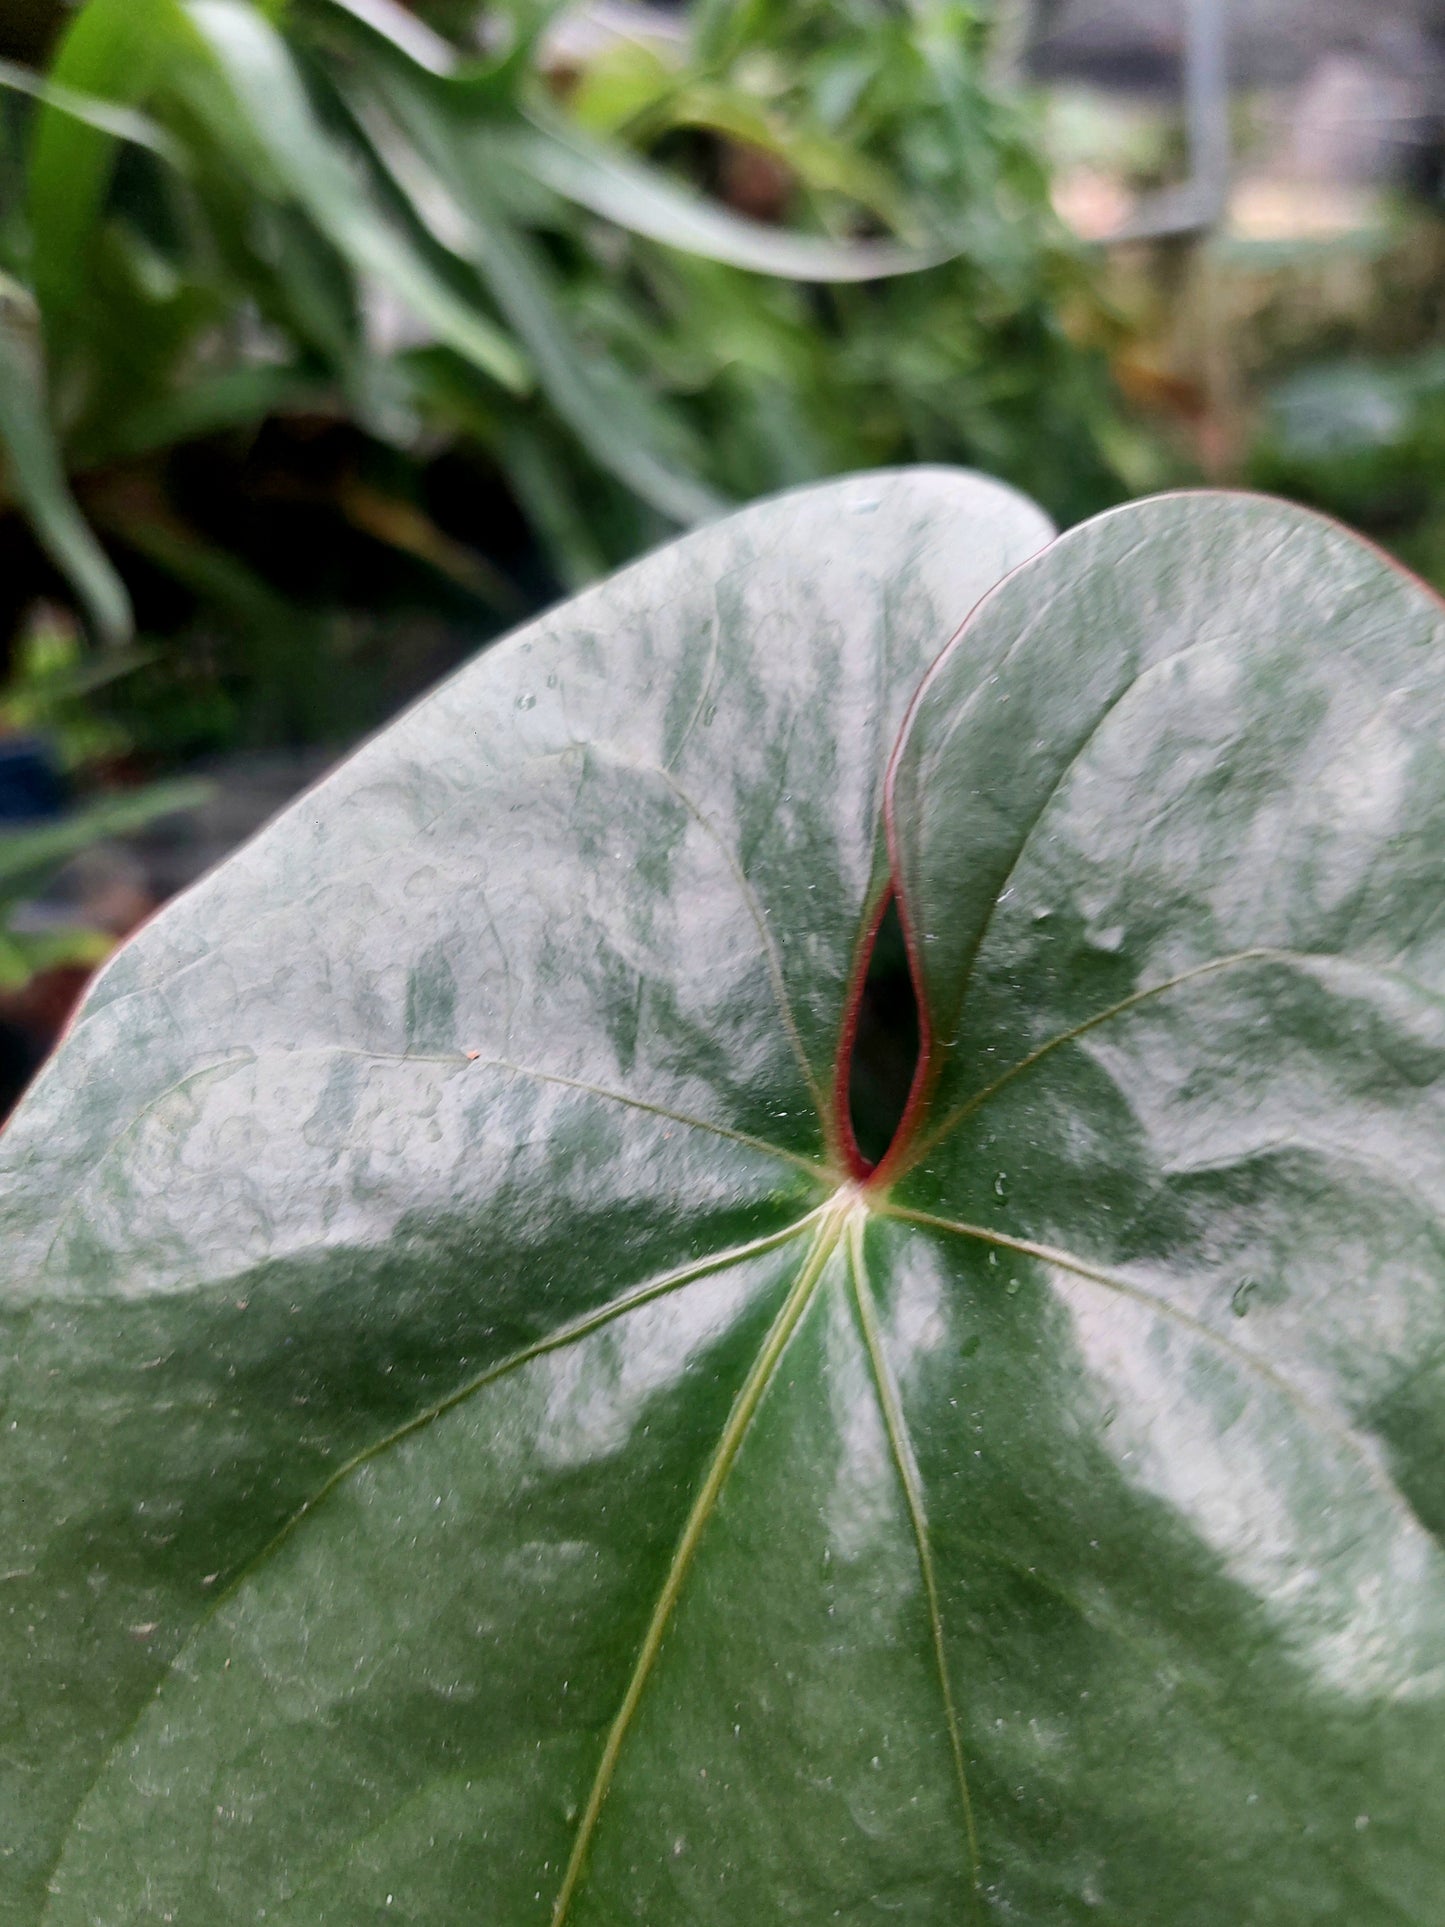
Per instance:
(1206,101)
(1196,205)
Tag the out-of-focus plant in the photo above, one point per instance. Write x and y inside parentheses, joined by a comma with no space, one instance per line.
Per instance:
(30,857)
(637,280)
(1364,438)
(978,359)
(51,686)
(48,698)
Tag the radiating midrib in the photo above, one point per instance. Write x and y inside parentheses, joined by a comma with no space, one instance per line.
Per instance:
(896,1426)
(930,1140)
(772,960)
(455,1061)
(1282,957)
(558,1340)
(1315,1415)
(831,1221)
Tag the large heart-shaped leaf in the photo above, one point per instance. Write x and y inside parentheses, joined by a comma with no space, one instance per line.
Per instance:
(479,1443)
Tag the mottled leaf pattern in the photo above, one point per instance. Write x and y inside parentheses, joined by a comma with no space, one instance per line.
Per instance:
(479,1443)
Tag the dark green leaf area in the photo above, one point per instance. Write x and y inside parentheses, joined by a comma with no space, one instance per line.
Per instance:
(1172,868)
(210,1411)
(428,1725)
(519,1025)
(471,1452)
(652,816)
(389,1737)
(1179,1621)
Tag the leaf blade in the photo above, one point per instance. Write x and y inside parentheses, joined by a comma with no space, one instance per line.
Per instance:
(610,183)
(450,200)
(263,79)
(36,474)
(114,50)
(1176,1146)
(122,123)
(504,1107)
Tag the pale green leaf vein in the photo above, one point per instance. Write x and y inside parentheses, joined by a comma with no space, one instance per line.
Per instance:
(565,1335)
(246,1057)
(603,1092)
(728,1446)
(1259,953)
(814,1170)
(926,782)
(1315,1414)
(133,1124)
(772,960)
(1138,673)
(896,1424)
(948,1124)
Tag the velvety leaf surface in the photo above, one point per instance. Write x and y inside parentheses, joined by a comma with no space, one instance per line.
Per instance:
(420,1278)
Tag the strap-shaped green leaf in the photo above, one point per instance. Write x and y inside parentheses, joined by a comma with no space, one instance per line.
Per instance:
(28,855)
(32,471)
(269,95)
(482,1446)
(114,50)
(610,182)
(122,123)
(607,180)
(441,172)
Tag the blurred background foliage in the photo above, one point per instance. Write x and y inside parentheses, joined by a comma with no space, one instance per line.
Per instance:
(338,336)
(331,333)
